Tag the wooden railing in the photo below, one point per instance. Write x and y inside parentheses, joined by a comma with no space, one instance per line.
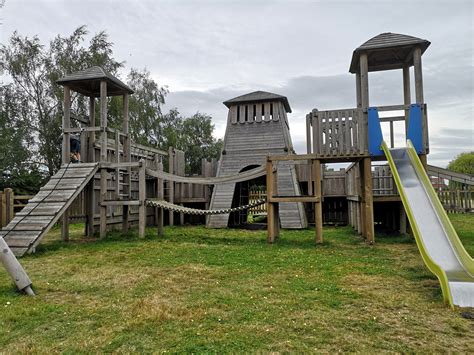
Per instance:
(337,133)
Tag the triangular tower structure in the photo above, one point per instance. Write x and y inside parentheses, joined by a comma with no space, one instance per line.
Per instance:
(257,125)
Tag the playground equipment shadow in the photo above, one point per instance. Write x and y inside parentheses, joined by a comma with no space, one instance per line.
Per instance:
(201,290)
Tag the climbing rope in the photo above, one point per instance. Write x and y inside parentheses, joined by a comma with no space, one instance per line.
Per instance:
(187,210)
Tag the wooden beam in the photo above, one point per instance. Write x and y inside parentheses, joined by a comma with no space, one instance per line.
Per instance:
(364,81)
(66,158)
(103,120)
(368,201)
(418,76)
(358,91)
(127,178)
(271,207)
(308,150)
(318,209)
(142,198)
(102,199)
(294,198)
(406,94)
(171,184)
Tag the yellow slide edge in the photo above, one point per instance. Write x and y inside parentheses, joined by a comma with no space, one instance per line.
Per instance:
(432,266)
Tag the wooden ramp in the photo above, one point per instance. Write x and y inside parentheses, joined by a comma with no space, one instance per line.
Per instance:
(30,225)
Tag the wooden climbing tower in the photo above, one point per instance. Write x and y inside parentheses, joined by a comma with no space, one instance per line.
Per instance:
(257,126)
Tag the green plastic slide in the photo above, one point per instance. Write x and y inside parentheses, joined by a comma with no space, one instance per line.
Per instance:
(438,242)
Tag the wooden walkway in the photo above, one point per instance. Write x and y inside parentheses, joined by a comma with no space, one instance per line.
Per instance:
(30,225)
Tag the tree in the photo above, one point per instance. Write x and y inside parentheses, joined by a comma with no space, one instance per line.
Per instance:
(145,107)
(34,70)
(197,141)
(18,169)
(463,163)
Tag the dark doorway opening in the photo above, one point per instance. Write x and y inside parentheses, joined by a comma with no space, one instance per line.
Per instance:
(245,192)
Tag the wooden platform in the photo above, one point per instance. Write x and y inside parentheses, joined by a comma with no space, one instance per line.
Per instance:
(30,225)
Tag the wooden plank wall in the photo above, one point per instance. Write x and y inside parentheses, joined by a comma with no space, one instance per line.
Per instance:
(339,133)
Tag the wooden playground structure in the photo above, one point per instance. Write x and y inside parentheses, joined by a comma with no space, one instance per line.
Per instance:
(121,183)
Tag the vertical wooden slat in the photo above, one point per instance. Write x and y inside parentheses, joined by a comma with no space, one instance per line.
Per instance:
(241,112)
(266,106)
(233,114)
(276,111)
(250,114)
(258,113)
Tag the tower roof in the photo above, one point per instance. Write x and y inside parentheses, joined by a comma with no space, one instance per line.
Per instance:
(259,96)
(388,51)
(87,82)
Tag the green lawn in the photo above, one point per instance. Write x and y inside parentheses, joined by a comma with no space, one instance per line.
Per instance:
(200,290)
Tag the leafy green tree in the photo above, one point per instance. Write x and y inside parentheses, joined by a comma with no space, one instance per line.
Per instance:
(197,141)
(34,70)
(17,166)
(146,119)
(463,163)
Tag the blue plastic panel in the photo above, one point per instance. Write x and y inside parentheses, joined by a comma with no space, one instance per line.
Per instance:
(415,129)
(375,132)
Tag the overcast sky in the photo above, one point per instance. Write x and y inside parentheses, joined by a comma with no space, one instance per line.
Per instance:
(209,51)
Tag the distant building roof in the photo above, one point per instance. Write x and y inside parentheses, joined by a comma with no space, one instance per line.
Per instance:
(87,82)
(388,51)
(259,96)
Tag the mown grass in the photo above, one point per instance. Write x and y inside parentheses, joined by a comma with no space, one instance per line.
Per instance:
(201,290)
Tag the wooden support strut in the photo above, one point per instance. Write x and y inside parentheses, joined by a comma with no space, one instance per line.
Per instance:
(273,223)
(66,154)
(318,210)
(103,158)
(142,198)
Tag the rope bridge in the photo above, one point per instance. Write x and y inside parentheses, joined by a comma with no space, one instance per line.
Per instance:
(177,208)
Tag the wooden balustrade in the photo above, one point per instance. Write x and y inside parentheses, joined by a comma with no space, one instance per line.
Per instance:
(338,133)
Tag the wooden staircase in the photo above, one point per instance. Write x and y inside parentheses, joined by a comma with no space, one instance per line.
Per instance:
(30,225)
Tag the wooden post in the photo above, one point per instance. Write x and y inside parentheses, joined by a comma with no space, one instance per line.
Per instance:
(361,203)
(308,150)
(369,205)
(103,158)
(142,198)
(127,182)
(3,212)
(418,76)
(403,220)
(103,207)
(271,208)
(392,138)
(318,209)
(103,121)
(90,195)
(358,90)
(406,94)
(160,196)
(66,124)
(66,158)
(171,183)
(9,205)
(364,81)
(419,90)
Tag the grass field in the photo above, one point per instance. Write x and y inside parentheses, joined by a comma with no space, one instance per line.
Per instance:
(200,290)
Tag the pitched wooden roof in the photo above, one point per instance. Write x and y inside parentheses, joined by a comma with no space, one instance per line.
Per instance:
(259,96)
(87,82)
(388,51)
